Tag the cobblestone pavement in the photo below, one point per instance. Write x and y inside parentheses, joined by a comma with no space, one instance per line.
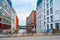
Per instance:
(33,38)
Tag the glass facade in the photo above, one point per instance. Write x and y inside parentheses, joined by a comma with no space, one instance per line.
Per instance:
(51,25)
(44,23)
(44,11)
(44,4)
(51,10)
(51,2)
(47,26)
(47,12)
(0,19)
(47,5)
(47,19)
(57,26)
(51,18)
(44,17)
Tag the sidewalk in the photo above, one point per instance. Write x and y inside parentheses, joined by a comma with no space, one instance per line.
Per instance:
(26,35)
(40,34)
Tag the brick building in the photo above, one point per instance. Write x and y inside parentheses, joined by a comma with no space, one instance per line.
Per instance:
(31,21)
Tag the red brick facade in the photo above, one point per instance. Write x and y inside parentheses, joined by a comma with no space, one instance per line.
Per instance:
(17,24)
(31,21)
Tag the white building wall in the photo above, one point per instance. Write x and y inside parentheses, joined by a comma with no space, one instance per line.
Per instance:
(56,7)
(40,19)
(56,12)
(40,15)
(13,21)
(6,15)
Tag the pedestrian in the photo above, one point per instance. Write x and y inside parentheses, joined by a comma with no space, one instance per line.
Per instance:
(47,31)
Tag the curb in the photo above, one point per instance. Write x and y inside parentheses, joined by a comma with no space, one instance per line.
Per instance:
(27,36)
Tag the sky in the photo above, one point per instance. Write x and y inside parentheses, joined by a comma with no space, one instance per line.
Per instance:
(23,9)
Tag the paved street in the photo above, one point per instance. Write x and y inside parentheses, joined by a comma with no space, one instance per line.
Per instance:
(33,38)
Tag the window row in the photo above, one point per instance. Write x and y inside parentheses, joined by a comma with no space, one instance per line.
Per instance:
(57,27)
(51,19)
(47,5)
(51,11)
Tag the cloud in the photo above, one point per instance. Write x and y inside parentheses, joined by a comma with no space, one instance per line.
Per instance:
(24,2)
(23,9)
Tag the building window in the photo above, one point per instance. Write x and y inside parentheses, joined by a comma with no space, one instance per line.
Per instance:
(40,21)
(51,10)
(51,2)
(44,23)
(44,11)
(47,12)
(47,0)
(0,13)
(51,25)
(57,26)
(47,5)
(44,4)
(0,19)
(51,18)
(47,19)
(47,26)
(44,17)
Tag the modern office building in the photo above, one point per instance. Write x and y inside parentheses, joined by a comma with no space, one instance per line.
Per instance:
(31,20)
(47,15)
(5,17)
